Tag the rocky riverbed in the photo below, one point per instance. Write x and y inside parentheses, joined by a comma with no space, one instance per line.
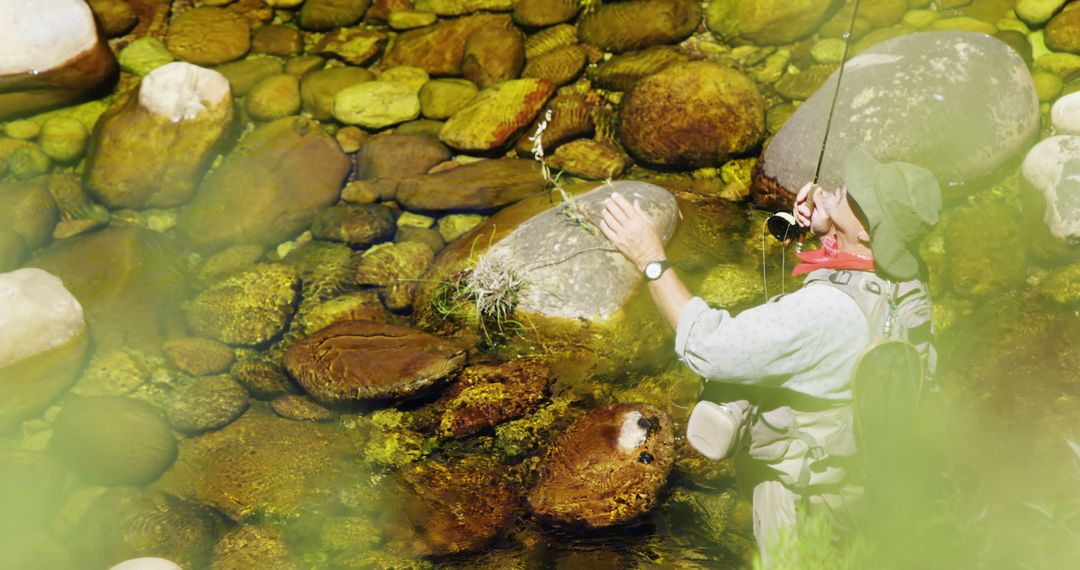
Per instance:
(316,283)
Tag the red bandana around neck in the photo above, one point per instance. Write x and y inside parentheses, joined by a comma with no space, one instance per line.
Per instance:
(830,257)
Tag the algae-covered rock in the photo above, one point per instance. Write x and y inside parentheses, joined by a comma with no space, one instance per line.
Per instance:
(550,38)
(323,15)
(439,48)
(974,269)
(493,55)
(541,13)
(290,168)
(356,306)
(226,262)
(113,440)
(151,148)
(396,269)
(481,186)
(1062,32)
(42,343)
(209,36)
(262,378)
(559,66)
(300,408)
(376,104)
(692,115)
(496,114)
(144,55)
(441,98)
(453,226)
(402,20)
(355,46)
(206,404)
(968,106)
(275,97)
(250,546)
(318,88)
(126,523)
(490,394)
(590,160)
(116,16)
(63,139)
(28,161)
(459,506)
(246,309)
(570,117)
(198,356)
(638,24)
(113,373)
(359,360)
(358,226)
(263,467)
(769,22)
(731,286)
(526,435)
(412,76)
(459,7)
(55,56)
(607,468)
(1037,12)
(386,159)
(801,84)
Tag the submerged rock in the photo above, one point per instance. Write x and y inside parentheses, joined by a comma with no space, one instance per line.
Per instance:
(493,55)
(128,523)
(263,467)
(246,309)
(622,72)
(358,226)
(439,49)
(323,15)
(198,356)
(441,98)
(395,269)
(386,159)
(496,114)
(55,56)
(692,115)
(459,506)
(152,147)
(113,440)
(541,13)
(28,215)
(206,404)
(769,22)
(289,168)
(250,546)
(480,186)
(607,468)
(638,24)
(209,36)
(361,360)
(318,88)
(43,343)
(488,394)
(964,105)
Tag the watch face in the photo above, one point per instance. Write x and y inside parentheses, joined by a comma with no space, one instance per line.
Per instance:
(652,270)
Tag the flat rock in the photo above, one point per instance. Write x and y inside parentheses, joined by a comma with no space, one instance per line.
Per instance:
(289,167)
(355,46)
(496,114)
(209,36)
(480,186)
(153,145)
(439,49)
(53,56)
(362,360)
(376,104)
(386,159)
(967,105)
(493,55)
(607,468)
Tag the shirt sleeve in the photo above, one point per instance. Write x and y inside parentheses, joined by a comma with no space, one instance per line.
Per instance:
(771,343)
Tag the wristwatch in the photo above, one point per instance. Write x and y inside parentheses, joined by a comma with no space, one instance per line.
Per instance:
(654,269)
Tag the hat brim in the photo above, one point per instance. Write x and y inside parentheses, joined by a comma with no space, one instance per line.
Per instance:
(860,179)
(890,256)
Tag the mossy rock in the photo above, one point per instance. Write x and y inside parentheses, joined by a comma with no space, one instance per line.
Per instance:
(206,404)
(439,49)
(198,356)
(318,88)
(626,26)
(144,55)
(246,309)
(1062,32)
(277,39)
(275,97)
(358,226)
(209,36)
(111,440)
(768,22)
(245,74)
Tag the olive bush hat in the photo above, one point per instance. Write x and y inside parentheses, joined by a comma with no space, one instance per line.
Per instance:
(901,202)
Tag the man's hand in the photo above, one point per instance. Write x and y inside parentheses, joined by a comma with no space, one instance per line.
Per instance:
(814,206)
(631,231)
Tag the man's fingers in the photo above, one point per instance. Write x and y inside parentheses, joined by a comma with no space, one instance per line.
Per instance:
(612,222)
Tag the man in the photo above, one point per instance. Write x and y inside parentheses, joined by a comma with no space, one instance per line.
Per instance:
(798,352)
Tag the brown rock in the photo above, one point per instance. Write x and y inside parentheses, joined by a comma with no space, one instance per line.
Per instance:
(460,7)
(571,117)
(453,507)
(50,71)
(481,186)
(1063,31)
(623,71)
(151,148)
(488,394)
(559,66)
(318,88)
(209,36)
(117,17)
(246,309)
(550,38)
(355,46)
(396,269)
(386,159)
(28,213)
(358,226)
(496,115)
(607,468)
(540,13)
(323,15)
(380,10)
(290,168)
(276,39)
(440,48)
(250,546)
(590,159)
(361,360)
(198,356)
(493,55)
(692,115)
(263,379)
(245,74)
(638,24)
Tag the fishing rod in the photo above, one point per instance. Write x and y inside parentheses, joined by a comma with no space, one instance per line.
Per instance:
(782,225)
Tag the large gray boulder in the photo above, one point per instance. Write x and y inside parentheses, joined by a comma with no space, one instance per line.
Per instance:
(957,103)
